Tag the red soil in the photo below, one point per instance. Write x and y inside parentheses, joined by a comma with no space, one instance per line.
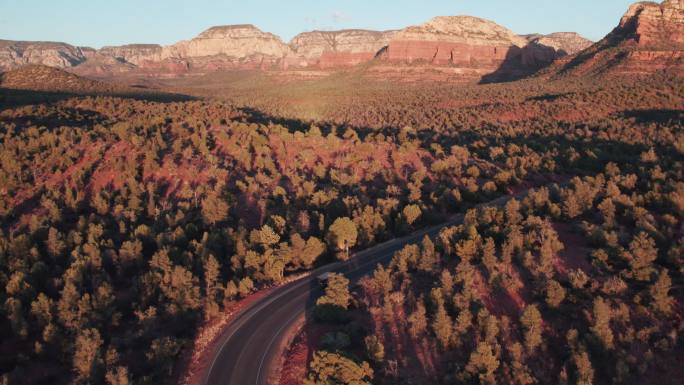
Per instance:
(509,302)
(417,358)
(575,255)
(300,353)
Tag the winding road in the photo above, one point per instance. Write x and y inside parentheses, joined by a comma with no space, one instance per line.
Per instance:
(252,344)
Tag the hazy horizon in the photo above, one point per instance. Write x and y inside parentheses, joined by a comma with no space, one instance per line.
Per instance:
(98,24)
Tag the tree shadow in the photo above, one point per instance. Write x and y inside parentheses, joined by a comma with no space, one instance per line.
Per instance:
(521,63)
(655,116)
(11,98)
(549,97)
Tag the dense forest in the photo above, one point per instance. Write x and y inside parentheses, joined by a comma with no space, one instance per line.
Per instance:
(577,283)
(127,223)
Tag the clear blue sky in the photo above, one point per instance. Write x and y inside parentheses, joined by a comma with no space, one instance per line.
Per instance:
(111,22)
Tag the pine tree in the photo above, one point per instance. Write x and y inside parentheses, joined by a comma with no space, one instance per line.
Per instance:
(214,209)
(418,320)
(442,326)
(342,236)
(245,286)
(642,253)
(601,327)
(428,257)
(374,348)
(211,286)
(513,216)
(489,255)
(555,293)
(118,376)
(55,245)
(87,355)
(531,320)
(584,369)
(411,214)
(662,302)
(483,364)
(336,292)
(330,368)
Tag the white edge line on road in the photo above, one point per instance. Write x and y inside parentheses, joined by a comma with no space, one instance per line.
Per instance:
(240,317)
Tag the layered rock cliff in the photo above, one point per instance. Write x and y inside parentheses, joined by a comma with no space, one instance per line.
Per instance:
(480,47)
(649,38)
(231,41)
(14,54)
(455,40)
(542,50)
(136,54)
(221,47)
(337,48)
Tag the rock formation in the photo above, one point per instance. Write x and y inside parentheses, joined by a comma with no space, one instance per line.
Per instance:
(337,48)
(542,50)
(236,41)
(14,54)
(456,40)
(479,47)
(222,47)
(136,54)
(649,37)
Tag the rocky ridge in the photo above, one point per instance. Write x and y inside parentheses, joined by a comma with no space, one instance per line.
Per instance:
(649,37)
(545,49)
(61,55)
(337,48)
(481,47)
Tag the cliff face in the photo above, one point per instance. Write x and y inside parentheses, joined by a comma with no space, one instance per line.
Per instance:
(456,40)
(14,54)
(542,50)
(649,38)
(337,48)
(233,41)
(653,25)
(480,47)
(222,47)
(136,54)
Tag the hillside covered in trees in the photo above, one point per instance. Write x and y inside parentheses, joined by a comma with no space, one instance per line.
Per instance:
(127,223)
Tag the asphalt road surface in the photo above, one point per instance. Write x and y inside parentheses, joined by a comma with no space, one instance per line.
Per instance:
(251,344)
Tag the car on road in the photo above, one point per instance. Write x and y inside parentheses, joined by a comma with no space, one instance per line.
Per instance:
(323,279)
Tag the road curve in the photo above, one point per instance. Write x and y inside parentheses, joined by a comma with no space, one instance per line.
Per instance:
(252,342)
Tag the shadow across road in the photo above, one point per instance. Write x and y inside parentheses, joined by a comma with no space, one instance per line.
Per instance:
(253,343)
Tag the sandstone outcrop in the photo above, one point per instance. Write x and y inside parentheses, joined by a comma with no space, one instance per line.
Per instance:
(221,47)
(649,38)
(455,40)
(328,49)
(136,54)
(232,41)
(479,47)
(653,25)
(14,54)
(541,50)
